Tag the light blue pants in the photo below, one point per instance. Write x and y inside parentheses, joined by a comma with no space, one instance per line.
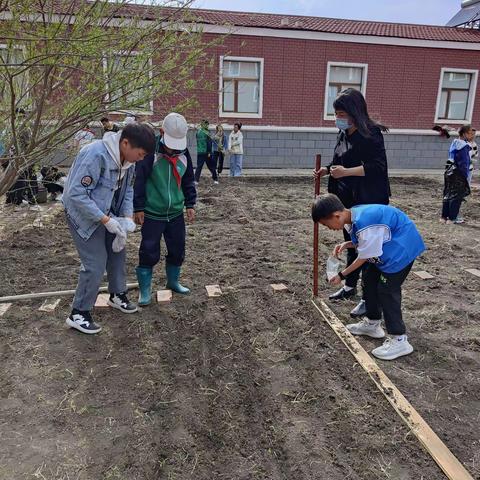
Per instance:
(236,165)
(96,255)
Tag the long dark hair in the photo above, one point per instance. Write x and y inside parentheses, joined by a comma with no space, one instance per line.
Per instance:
(353,103)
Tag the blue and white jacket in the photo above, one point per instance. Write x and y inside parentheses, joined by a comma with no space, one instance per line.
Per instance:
(98,184)
(402,243)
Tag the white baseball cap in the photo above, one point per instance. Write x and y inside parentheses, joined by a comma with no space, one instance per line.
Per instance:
(175,130)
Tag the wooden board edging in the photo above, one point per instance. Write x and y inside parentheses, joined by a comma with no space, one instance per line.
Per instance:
(444,458)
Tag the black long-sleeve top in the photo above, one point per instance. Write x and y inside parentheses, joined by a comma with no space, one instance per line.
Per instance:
(356,150)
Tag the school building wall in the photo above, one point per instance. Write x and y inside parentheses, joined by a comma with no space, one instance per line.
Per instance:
(401,92)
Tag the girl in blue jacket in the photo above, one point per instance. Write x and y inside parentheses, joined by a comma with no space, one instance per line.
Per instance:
(456,176)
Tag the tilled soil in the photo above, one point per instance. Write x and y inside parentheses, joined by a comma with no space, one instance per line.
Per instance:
(250,385)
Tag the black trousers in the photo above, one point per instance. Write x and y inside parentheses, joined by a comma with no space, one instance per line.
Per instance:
(352,278)
(173,233)
(218,158)
(205,158)
(451,208)
(383,292)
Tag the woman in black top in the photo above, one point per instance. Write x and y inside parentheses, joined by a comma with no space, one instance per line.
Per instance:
(358,171)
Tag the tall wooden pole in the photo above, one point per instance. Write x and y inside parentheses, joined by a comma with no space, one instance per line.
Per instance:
(318,164)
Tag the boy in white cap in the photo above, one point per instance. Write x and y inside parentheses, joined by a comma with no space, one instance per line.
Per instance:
(164,186)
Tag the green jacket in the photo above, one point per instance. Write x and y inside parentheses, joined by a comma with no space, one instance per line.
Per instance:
(156,189)
(204,142)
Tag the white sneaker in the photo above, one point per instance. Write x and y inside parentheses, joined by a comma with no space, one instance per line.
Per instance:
(215,182)
(392,348)
(370,328)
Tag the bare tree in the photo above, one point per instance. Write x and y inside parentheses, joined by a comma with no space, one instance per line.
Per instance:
(67,62)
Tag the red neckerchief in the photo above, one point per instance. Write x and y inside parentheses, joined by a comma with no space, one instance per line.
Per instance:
(173,162)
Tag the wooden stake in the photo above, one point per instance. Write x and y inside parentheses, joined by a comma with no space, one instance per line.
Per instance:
(318,164)
(213,291)
(49,306)
(164,296)
(102,300)
(278,287)
(3,308)
(473,271)
(444,458)
(423,275)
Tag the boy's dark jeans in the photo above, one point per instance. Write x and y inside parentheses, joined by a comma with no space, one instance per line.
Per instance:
(451,208)
(352,278)
(383,292)
(204,158)
(174,235)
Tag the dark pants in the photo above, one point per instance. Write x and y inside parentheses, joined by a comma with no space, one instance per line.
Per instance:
(352,278)
(451,208)
(204,158)
(218,158)
(383,292)
(174,235)
(53,188)
(25,188)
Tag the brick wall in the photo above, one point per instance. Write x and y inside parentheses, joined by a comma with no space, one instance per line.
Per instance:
(402,83)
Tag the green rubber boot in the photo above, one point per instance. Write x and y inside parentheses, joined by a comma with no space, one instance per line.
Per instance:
(144,276)
(173,274)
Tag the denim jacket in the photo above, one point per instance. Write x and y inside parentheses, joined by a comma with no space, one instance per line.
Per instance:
(92,183)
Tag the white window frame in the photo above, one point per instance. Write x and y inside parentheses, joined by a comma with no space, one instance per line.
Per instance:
(471,95)
(150,73)
(23,48)
(221,113)
(363,89)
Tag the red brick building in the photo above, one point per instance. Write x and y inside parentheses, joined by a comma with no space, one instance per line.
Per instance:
(278,75)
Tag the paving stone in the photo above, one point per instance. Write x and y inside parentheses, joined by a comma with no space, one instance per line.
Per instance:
(213,290)
(164,296)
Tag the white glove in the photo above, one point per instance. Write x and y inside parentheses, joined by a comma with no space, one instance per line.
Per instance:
(113,226)
(127,224)
(119,243)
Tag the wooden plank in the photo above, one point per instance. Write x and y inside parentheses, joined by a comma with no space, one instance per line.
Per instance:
(164,296)
(473,271)
(102,299)
(444,458)
(423,275)
(213,291)
(278,287)
(56,293)
(3,308)
(49,306)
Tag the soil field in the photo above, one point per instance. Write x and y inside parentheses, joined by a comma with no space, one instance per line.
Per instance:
(250,385)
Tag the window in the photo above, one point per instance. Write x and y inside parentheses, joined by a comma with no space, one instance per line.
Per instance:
(339,77)
(456,95)
(126,90)
(241,85)
(11,59)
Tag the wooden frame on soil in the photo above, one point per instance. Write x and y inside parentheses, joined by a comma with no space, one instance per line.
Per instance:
(444,458)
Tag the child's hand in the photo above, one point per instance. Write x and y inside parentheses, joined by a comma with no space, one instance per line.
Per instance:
(339,249)
(139,217)
(190,214)
(336,280)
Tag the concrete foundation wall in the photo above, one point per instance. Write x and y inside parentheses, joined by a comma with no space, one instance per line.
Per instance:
(267,149)
(270,149)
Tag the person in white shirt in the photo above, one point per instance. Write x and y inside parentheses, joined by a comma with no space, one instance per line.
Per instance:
(235,147)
